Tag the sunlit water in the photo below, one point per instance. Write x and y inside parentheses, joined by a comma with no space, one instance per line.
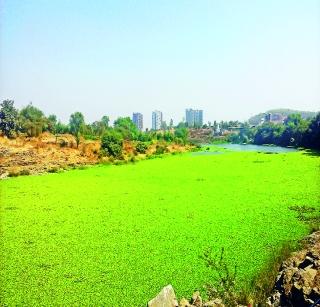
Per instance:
(242,147)
(261,148)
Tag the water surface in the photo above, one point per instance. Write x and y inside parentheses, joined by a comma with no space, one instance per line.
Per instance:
(260,148)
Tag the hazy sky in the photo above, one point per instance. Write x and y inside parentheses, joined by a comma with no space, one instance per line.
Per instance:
(231,58)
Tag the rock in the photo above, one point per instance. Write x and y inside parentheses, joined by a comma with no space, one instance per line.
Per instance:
(298,282)
(274,300)
(196,299)
(307,262)
(166,298)
(4,175)
(184,303)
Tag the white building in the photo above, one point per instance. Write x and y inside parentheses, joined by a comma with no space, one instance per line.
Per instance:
(194,118)
(156,120)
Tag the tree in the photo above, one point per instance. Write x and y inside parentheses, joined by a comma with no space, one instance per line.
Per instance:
(181,133)
(77,124)
(61,128)
(8,118)
(311,137)
(99,127)
(171,124)
(52,123)
(126,127)
(164,125)
(32,120)
(264,134)
(31,113)
(105,120)
(168,136)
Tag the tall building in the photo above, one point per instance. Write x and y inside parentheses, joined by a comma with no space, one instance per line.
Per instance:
(156,120)
(137,119)
(194,118)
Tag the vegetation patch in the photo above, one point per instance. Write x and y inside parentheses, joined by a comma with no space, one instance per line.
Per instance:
(308,215)
(115,235)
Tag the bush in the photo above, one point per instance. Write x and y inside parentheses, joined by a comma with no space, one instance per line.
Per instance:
(141,147)
(224,283)
(161,149)
(54,169)
(115,150)
(119,162)
(13,173)
(179,141)
(111,143)
(132,159)
(24,172)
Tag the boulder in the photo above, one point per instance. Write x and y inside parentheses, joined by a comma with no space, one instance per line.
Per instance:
(298,282)
(166,298)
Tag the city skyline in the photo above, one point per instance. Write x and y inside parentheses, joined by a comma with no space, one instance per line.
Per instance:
(232,59)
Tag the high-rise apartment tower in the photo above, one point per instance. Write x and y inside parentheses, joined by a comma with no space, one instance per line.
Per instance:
(137,118)
(156,120)
(194,118)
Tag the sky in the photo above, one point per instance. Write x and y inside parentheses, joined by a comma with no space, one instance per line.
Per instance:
(231,58)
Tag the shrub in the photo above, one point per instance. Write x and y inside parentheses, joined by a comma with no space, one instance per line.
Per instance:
(161,149)
(141,147)
(13,173)
(24,172)
(111,143)
(54,169)
(119,162)
(132,159)
(178,141)
(224,284)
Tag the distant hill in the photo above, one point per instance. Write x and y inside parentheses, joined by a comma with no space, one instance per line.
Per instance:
(254,120)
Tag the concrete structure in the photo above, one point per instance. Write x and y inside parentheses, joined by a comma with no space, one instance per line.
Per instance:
(137,119)
(194,118)
(156,120)
(276,118)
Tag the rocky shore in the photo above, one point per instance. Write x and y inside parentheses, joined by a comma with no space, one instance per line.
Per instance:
(297,284)
(298,281)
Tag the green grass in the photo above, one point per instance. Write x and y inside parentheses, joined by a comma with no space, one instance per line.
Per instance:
(115,235)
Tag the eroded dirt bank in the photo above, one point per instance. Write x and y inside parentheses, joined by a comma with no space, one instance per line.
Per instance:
(50,153)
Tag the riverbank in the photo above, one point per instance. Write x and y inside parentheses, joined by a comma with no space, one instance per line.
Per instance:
(52,153)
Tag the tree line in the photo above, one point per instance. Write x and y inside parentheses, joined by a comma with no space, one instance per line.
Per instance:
(294,131)
(31,121)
